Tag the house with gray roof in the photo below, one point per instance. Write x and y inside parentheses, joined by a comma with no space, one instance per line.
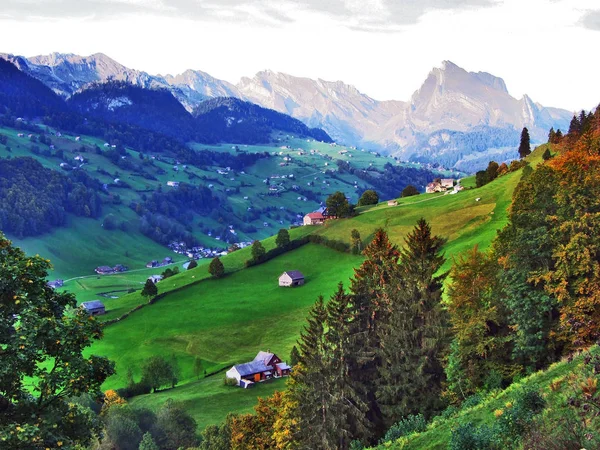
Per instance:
(94,308)
(291,278)
(265,366)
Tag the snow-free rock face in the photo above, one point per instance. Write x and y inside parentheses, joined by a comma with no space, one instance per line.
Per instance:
(65,74)
(348,114)
(450,99)
(453,114)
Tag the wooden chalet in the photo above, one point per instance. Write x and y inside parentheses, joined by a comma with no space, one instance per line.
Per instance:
(291,278)
(265,366)
(314,218)
(94,308)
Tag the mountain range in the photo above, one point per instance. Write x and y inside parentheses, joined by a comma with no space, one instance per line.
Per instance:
(454,117)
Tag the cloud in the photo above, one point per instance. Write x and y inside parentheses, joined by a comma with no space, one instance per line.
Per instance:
(369,15)
(591,20)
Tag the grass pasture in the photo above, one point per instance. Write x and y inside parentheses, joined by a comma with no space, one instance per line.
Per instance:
(229,320)
(460,218)
(208,400)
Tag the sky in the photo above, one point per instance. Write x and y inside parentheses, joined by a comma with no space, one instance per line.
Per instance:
(543,48)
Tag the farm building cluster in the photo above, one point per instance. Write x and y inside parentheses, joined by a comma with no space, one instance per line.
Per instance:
(107,270)
(265,366)
(199,252)
(443,185)
(155,263)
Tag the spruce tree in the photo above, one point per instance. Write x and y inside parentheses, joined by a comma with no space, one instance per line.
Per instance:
(414,339)
(371,303)
(525,145)
(150,289)
(574,126)
(307,386)
(346,404)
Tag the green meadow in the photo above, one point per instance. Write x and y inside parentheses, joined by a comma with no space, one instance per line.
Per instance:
(208,400)
(226,321)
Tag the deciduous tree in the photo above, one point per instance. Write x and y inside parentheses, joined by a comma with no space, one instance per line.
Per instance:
(409,191)
(43,337)
(283,238)
(216,268)
(369,197)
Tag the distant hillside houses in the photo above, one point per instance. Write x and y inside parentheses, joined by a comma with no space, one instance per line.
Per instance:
(155,263)
(265,366)
(107,270)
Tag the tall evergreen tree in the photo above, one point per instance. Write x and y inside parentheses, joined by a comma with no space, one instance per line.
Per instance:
(574,126)
(347,406)
(414,339)
(371,305)
(482,341)
(308,386)
(525,145)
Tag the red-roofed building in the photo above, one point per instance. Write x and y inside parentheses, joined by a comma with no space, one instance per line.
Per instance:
(314,218)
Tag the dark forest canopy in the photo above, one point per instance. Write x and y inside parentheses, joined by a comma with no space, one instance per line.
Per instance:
(34,199)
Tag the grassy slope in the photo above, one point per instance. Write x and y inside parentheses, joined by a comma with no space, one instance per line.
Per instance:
(439,430)
(226,321)
(208,400)
(460,218)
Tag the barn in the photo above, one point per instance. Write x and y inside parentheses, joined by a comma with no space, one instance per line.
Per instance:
(94,308)
(291,278)
(314,218)
(266,365)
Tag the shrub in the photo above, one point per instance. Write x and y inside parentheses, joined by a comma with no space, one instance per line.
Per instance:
(471,401)
(449,412)
(406,426)
(356,445)
(230,381)
(469,437)
(493,381)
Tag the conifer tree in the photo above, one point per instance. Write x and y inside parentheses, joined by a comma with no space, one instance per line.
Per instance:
(371,305)
(414,338)
(525,145)
(308,386)
(150,289)
(574,126)
(347,406)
